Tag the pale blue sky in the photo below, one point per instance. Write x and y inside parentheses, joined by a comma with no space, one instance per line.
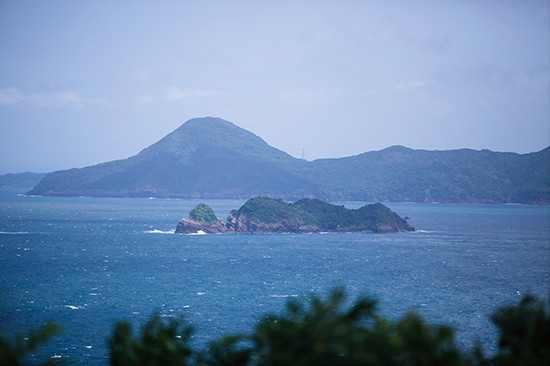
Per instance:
(82,82)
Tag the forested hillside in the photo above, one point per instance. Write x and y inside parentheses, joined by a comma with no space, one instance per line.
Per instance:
(213,158)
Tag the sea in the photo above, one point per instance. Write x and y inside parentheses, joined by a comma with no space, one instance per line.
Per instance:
(86,263)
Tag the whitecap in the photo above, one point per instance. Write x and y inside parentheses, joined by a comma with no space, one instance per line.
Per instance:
(16,232)
(156,231)
(201,293)
(200,232)
(73,307)
(282,296)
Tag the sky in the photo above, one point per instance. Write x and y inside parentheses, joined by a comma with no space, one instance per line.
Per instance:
(84,82)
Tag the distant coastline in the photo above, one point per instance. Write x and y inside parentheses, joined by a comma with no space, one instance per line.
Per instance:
(212,158)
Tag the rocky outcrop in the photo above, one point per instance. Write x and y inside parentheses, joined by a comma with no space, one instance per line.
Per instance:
(202,220)
(189,226)
(264,215)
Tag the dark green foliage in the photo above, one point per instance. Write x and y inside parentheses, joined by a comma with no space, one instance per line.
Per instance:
(228,351)
(328,333)
(524,333)
(418,343)
(162,341)
(313,215)
(331,217)
(20,351)
(320,333)
(203,214)
(331,331)
(213,158)
(269,210)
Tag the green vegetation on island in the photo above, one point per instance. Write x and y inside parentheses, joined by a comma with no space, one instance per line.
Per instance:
(213,158)
(203,214)
(320,331)
(269,215)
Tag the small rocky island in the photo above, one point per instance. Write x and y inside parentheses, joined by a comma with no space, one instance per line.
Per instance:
(264,215)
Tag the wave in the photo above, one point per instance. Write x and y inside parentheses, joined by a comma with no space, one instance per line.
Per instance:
(74,307)
(155,231)
(200,232)
(283,296)
(16,232)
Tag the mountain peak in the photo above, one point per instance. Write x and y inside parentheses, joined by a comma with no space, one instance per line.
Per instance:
(204,124)
(207,133)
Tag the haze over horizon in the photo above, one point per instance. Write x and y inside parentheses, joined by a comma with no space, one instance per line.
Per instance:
(83,83)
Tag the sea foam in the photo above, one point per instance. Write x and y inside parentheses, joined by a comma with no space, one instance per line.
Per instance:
(155,231)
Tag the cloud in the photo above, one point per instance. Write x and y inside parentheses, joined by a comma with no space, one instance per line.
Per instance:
(175,93)
(56,100)
(13,95)
(10,96)
(407,87)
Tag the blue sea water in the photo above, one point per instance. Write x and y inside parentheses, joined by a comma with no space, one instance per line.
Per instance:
(88,262)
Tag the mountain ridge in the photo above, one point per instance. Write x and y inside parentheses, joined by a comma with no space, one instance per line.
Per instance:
(213,158)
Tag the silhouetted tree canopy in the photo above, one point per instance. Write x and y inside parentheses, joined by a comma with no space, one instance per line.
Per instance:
(319,331)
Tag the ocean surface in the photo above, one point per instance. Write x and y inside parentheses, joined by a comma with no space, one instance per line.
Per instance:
(88,262)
